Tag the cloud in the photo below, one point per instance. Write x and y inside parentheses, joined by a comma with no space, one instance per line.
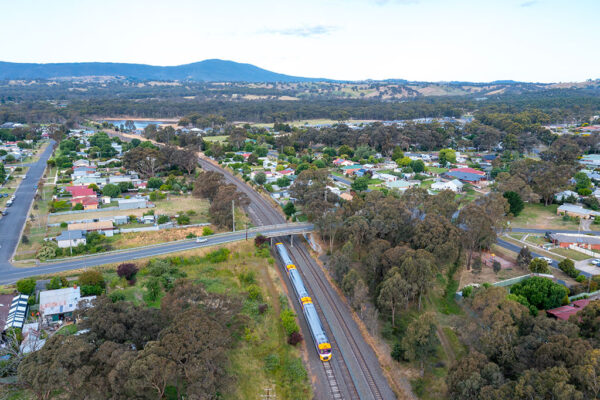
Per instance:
(303,31)
(528,3)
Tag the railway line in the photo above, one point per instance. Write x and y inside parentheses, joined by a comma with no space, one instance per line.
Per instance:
(354,371)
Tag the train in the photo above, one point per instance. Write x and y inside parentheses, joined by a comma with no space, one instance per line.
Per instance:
(320,340)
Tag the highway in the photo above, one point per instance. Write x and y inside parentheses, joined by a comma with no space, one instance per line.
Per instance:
(10,274)
(354,368)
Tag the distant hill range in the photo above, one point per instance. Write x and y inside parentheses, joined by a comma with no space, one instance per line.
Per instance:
(207,71)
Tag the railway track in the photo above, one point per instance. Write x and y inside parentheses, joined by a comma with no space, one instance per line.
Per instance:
(359,383)
(374,390)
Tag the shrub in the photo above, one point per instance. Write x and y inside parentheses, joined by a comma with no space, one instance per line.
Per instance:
(262,308)
(247,277)
(190,236)
(78,207)
(91,290)
(568,267)
(91,278)
(127,270)
(153,287)
(467,291)
(272,362)
(154,183)
(154,196)
(540,292)
(63,224)
(398,352)
(254,293)
(163,219)
(497,266)
(183,220)
(55,283)
(539,266)
(288,321)
(24,239)
(295,338)
(259,240)
(117,296)
(206,231)
(219,255)
(581,278)
(26,285)
(111,190)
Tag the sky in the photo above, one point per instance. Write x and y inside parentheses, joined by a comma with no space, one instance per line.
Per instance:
(424,40)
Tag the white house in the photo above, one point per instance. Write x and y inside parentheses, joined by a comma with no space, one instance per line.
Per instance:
(71,238)
(56,305)
(454,185)
(386,177)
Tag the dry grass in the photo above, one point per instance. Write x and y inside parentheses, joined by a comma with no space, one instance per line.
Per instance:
(137,239)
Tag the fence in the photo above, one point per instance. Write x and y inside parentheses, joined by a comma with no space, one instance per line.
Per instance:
(584,251)
(148,205)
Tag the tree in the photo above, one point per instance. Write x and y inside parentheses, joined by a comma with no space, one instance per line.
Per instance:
(360,184)
(540,292)
(111,190)
(417,166)
(568,267)
(183,220)
(145,160)
(420,339)
(515,203)
(260,178)
(446,156)
(393,294)
(26,285)
(154,183)
(582,181)
(524,258)
(397,154)
(289,209)
(127,271)
(207,184)
(539,266)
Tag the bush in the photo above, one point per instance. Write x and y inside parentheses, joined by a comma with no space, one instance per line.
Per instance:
(259,240)
(467,291)
(91,290)
(127,270)
(581,278)
(91,278)
(117,296)
(55,283)
(153,287)
(183,220)
(398,352)
(206,231)
(163,219)
(154,183)
(539,266)
(540,292)
(154,196)
(288,321)
(111,190)
(218,255)
(24,239)
(78,207)
(26,286)
(64,225)
(497,266)
(568,267)
(295,338)
(254,293)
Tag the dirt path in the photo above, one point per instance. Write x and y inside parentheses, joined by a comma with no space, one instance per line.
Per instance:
(446,345)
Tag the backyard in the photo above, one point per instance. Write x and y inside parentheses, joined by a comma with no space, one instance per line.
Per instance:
(539,216)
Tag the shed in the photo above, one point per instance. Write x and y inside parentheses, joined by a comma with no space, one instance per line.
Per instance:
(131,204)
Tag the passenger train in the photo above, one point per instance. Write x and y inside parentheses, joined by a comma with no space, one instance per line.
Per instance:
(308,308)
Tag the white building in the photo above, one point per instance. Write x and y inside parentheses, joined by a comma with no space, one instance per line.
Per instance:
(454,185)
(56,305)
(71,238)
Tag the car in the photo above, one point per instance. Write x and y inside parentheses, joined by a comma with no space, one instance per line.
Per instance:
(201,240)
(548,260)
(595,261)
(4,212)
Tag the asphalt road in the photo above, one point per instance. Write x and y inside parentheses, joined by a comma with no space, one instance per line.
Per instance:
(12,224)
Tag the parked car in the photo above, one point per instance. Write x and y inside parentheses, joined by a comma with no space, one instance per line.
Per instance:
(595,261)
(201,240)
(548,260)
(4,212)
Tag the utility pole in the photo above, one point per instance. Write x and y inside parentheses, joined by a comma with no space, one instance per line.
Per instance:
(247,223)
(233,214)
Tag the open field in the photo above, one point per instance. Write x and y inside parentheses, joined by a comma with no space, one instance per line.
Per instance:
(572,254)
(540,217)
(220,139)
(316,122)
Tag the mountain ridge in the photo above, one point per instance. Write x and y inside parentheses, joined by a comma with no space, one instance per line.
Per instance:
(211,70)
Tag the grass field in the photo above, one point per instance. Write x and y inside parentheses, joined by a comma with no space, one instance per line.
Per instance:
(221,138)
(540,217)
(572,254)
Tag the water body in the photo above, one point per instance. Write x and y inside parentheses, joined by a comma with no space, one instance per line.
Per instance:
(138,124)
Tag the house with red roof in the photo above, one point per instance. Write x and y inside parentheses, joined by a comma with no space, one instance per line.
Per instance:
(564,312)
(468,171)
(88,202)
(80,191)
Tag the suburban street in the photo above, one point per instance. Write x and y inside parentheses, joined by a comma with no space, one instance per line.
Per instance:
(12,224)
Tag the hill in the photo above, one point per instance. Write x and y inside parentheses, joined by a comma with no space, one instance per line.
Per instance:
(207,71)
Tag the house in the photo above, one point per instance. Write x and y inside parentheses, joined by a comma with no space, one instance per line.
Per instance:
(468,170)
(565,195)
(576,211)
(58,305)
(466,177)
(455,185)
(83,171)
(401,185)
(80,191)
(102,226)
(88,202)
(569,239)
(81,163)
(148,219)
(71,238)
(286,172)
(17,313)
(351,169)
(87,180)
(563,313)
(132,204)
(386,177)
